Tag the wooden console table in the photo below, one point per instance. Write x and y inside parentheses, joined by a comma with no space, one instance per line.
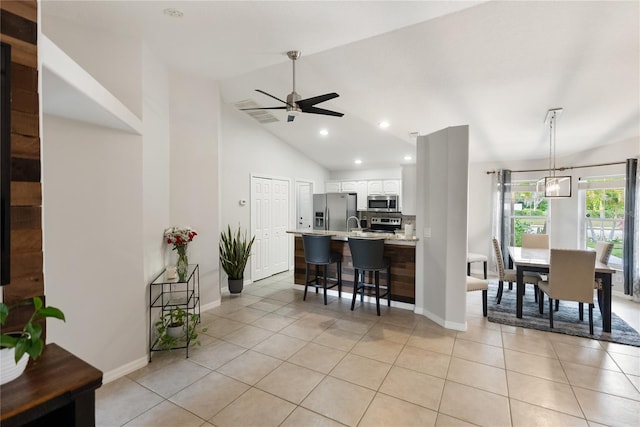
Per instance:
(58,389)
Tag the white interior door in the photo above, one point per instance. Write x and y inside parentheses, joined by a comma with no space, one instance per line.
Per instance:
(261,227)
(280,223)
(269,223)
(304,205)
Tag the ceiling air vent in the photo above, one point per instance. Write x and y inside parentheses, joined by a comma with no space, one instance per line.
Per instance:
(261,116)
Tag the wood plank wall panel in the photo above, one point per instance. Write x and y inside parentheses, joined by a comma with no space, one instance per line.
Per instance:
(19,28)
(403,268)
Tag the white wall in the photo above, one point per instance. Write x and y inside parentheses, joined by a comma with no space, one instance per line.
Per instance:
(108,196)
(93,239)
(155,163)
(246,149)
(111,57)
(441,225)
(195,127)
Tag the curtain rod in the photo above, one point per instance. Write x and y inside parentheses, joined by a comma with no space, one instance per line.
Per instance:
(563,168)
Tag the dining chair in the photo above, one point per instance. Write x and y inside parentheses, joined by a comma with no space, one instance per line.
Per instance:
(317,252)
(535,241)
(368,255)
(475,284)
(509,275)
(603,253)
(571,274)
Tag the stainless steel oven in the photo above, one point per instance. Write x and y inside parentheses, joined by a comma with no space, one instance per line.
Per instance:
(382,203)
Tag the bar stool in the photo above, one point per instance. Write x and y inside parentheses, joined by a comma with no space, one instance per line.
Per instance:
(367,255)
(317,251)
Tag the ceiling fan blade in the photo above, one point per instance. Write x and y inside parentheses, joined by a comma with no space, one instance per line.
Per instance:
(263,108)
(317,99)
(276,98)
(316,110)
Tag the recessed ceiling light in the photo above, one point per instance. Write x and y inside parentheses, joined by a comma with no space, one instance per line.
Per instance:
(357,161)
(407,157)
(384,124)
(174,13)
(324,132)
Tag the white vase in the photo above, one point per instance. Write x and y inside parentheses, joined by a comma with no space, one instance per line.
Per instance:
(9,369)
(176,331)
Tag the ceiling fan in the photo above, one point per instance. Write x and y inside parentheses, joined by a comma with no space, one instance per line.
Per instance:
(295,105)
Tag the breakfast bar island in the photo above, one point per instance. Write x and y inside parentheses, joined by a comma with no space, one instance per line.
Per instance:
(401,250)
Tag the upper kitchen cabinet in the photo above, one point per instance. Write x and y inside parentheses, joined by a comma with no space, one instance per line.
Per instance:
(333,187)
(358,187)
(386,186)
(391,186)
(349,186)
(409,187)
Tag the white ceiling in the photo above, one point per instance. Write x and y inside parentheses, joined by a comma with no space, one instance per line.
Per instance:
(421,65)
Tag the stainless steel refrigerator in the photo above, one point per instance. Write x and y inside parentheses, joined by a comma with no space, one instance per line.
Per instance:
(331,210)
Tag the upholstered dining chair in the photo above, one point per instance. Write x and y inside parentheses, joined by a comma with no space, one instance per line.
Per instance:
(571,274)
(535,241)
(603,253)
(509,275)
(317,252)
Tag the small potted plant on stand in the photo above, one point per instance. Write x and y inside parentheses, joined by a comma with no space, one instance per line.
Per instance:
(171,328)
(234,254)
(15,346)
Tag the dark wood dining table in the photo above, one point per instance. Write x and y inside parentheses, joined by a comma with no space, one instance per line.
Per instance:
(537,260)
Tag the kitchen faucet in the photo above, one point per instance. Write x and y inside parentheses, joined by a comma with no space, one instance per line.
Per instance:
(357,222)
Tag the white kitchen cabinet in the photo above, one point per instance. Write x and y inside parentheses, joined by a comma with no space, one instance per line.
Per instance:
(332,187)
(375,187)
(349,186)
(363,192)
(391,186)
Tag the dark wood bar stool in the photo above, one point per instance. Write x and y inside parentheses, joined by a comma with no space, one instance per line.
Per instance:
(317,251)
(367,255)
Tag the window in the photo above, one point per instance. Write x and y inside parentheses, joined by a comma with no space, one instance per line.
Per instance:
(530,210)
(602,204)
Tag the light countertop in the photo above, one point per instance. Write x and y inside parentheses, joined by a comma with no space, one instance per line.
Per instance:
(389,238)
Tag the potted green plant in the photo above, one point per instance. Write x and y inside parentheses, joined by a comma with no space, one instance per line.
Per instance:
(171,328)
(234,254)
(16,345)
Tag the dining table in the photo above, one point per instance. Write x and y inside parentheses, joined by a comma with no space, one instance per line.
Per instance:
(537,260)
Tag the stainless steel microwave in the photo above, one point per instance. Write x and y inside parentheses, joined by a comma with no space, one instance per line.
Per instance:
(383,203)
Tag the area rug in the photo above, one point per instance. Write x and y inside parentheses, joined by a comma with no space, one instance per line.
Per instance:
(565,320)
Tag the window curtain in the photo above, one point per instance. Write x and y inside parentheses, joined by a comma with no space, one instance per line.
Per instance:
(631,231)
(501,227)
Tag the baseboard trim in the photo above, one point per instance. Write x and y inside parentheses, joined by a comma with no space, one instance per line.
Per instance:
(447,324)
(123,370)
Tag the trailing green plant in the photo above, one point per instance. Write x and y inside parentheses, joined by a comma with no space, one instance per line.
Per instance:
(234,252)
(29,340)
(177,317)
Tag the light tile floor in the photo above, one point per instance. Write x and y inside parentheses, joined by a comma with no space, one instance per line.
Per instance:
(271,359)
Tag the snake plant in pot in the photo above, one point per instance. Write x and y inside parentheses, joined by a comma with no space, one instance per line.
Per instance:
(235,250)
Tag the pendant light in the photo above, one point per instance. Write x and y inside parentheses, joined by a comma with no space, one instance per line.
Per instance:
(554,186)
